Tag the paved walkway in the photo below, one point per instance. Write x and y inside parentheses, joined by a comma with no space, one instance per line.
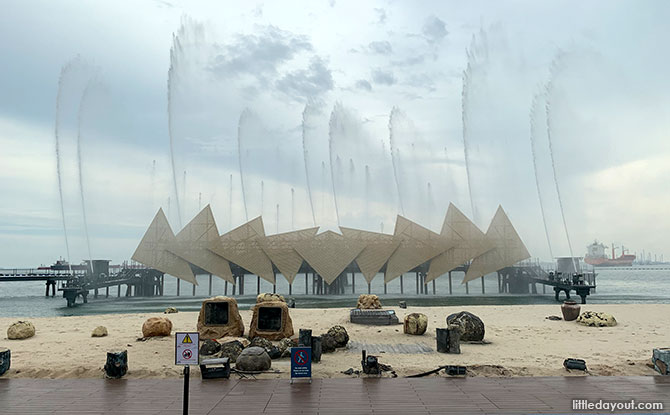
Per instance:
(325,396)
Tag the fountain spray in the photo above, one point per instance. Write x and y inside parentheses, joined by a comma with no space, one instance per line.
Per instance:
(333,124)
(82,102)
(305,154)
(395,156)
(246,113)
(533,115)
(174,50)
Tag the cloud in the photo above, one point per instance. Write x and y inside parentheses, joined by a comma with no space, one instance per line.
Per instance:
(363,84)
(381,47)
(380,76)
(410,61)
(260,54)
(381,15)
(310,82)
(434,29)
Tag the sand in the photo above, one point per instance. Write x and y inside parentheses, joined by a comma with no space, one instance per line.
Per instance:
(521,343)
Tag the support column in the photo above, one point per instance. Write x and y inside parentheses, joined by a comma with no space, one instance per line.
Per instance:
(225,287)
(499,283)
(417,282)
(274,284)
(450,291)
(118,290)
(467,288)
(193,289)
(433,287)
(369,288)
(483,289)
(178,286)
(290,288)
(240,290)
(210,285)
(353,283)
(107,292)
(401,287)
(162,284)
(306,284)
(384,286)
(258,285)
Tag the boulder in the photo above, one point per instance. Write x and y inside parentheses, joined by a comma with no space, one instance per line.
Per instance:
(253,359)
(21,330)
(157,326)
(368,302)
(283,330)
(596,319)
(285,347)
(415,324)
(170,310)
(269,297)
(100,331)
(231,350)
(217,320)
(340,335)
(210,347)
(328,343)
(273,351)
(472,327)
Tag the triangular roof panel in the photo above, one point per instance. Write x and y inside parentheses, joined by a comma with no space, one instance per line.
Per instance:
(280,248)
(192,242)
(378,249)
(329,253)
(152,251)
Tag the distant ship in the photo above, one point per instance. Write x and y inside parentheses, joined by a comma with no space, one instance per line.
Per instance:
(596,256)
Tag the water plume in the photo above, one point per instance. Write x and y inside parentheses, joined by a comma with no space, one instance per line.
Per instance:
(305,153)
(82,104)
(395,158)
(533,145)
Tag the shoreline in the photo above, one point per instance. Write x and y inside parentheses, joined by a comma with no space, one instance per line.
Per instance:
(521,343)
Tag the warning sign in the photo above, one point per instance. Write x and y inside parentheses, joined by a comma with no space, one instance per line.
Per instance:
(301,362)
(186,348)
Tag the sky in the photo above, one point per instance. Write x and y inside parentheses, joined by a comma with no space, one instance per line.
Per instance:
(319,113)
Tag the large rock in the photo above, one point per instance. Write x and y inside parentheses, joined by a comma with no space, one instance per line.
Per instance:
(328,343)
(471,325)
(231,350)
(216,321)
(368,302)
(157,326)
(253,359)
(596,319)
(210,347)
(272,350)
(20,330)
(415,323)
(340,335)
(285,347)
(100,331)
(284,329)
(269,297)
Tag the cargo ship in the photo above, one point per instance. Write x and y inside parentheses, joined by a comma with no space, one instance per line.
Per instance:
(597,257)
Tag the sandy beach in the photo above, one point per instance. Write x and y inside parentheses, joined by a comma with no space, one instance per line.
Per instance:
(521,343)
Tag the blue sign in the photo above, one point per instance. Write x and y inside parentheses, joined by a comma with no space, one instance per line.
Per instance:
(301,362)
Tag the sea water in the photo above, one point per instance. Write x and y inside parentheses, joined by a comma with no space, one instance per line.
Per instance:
(614,286)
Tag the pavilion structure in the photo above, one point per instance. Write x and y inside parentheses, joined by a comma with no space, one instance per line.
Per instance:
(329,253)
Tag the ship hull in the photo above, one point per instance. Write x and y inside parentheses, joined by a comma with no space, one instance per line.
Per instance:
(622,261)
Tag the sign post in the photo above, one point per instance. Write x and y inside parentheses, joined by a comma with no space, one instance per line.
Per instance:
(301,363)
(186,353)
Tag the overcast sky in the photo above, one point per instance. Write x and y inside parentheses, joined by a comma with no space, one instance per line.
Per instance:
(279,95)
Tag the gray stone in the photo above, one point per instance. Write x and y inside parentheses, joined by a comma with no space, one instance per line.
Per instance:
(171,310)
(340,335)
(210,347)
(328,343)
(472,326)
(253,359)
(285,347)
(272,350)
(231,350)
